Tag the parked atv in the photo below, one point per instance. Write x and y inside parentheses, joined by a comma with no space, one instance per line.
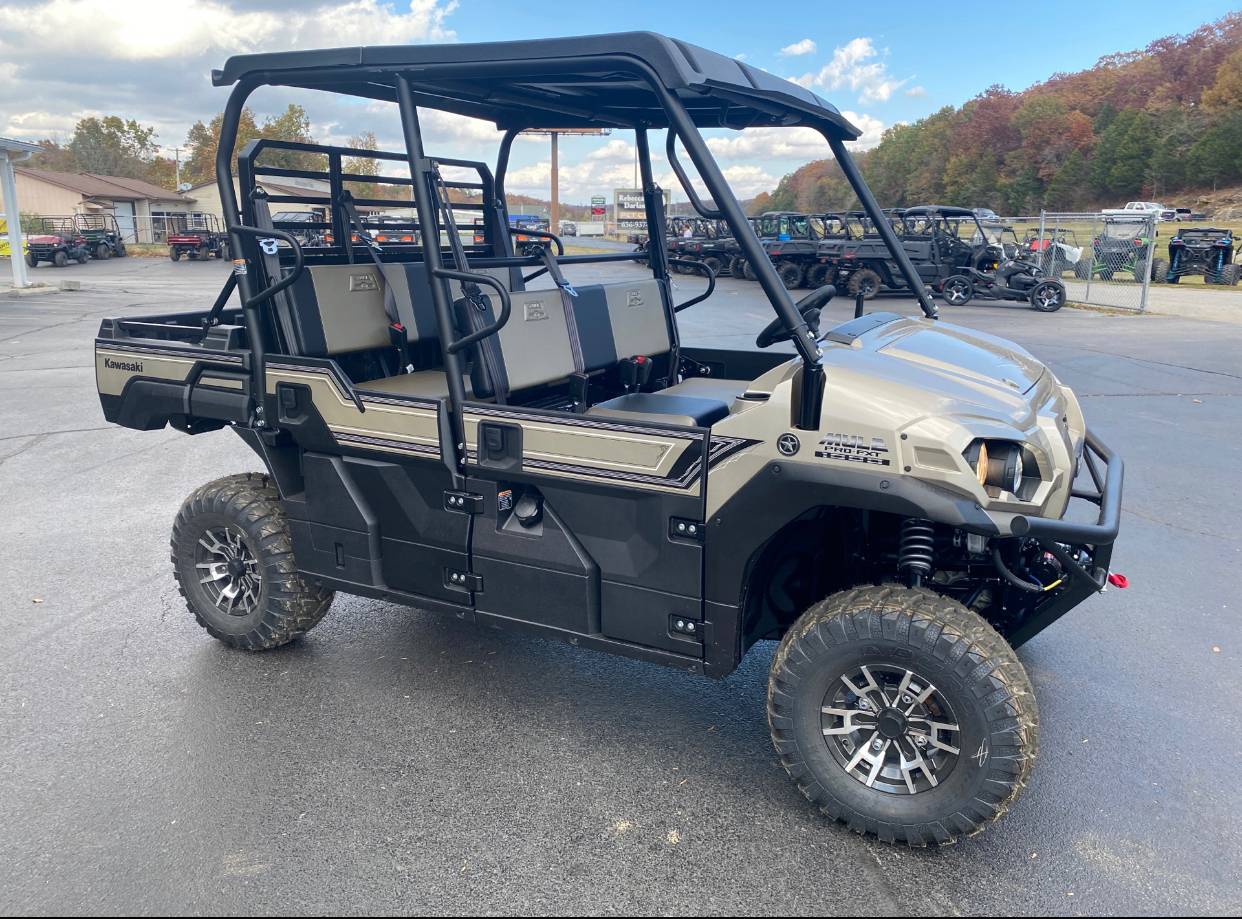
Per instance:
(791,245)
(1123,246)
(1013,279)
(1207,251)
(198,236)
(102,234)
(1056,252)
(56,241)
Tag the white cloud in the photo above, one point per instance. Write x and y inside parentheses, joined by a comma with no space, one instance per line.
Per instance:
(770,144)
(806,46)
(150,30)
(739,57)
(872,129)
(748,181)
(916,92)
(848,67)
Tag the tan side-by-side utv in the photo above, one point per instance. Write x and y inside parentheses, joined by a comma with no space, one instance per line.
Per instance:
(460,429)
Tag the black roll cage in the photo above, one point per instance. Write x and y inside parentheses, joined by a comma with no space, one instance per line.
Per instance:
(381,82)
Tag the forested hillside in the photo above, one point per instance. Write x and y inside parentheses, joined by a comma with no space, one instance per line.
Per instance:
(1163,122)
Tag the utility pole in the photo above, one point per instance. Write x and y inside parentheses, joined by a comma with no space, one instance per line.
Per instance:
(177,153)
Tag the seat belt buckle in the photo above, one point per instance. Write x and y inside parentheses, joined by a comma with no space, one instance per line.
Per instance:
(579,384)
(634,371)
(400,339)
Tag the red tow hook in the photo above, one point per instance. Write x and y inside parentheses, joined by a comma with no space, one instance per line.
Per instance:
(1119,580)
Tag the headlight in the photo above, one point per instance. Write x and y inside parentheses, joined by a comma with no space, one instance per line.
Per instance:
(997,463)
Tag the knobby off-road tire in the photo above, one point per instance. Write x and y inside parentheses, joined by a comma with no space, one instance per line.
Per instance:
(864,280)
(233,560)
(737,267)
(1159,270)
(957,673)
(748,272)
(32,260)
(174,253)
(60,258)
(816,276)
(790,274)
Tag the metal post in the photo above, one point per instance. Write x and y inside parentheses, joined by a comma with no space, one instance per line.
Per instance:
(553,223)
(429,221)
(1043,251)
(13,218)
(1095,223)
(1151,254)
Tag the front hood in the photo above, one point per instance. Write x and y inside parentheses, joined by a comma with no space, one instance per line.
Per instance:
(46,240)
(910,368)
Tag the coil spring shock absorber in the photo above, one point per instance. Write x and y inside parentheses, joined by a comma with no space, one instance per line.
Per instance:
(914,562)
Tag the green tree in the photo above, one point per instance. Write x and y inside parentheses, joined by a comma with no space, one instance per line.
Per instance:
(292,125)
(1133,155)
(1105,156)
(364,166)
(1217,157)
(1025,192)
(1065,188)
(110,146)
(1105,118)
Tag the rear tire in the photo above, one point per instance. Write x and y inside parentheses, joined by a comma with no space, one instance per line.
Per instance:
(737,267)
(790,274)
(223,252)
(233,560)
(1159,270)
(714,264)
(120,250)
(1229,275)
(928,668)
(102,252)
(866,282)
(174,253)
(816,276)
(1082,269)
(748,272)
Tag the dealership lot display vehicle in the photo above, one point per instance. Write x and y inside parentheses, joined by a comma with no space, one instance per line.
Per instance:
(197,236)
(1123,245)
(56,240)
(1142,209)
(102,235)
(887,499)
(1055,252)
(1206,251)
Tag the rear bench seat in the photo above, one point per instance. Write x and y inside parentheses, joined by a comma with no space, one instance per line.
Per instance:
(614,321)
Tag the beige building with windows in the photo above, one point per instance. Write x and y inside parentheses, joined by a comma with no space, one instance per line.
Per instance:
(140,208)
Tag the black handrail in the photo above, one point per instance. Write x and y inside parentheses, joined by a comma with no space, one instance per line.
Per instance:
(298,264)
(505,307)
(687,186)
(698,266)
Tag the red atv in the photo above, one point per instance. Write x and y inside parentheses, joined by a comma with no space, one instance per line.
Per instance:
(57,242)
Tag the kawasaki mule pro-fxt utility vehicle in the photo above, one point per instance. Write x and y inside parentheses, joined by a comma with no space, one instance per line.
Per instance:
(198,236)
(102,235)
(887,501)
(56,240)
(1205,251)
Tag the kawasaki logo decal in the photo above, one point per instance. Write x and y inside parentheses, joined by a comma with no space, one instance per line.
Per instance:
(135,367)
(853,448)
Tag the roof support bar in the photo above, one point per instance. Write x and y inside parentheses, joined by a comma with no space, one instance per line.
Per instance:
(421,170)
(882,226)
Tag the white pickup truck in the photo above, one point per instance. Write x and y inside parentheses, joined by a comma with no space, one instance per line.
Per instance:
(1141,209)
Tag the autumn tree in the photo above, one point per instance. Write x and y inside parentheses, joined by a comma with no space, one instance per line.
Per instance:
(111,146)
(1226,92)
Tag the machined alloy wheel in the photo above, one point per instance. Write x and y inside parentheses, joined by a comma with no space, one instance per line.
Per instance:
(957,290)
(902,714)
(1048,296)
(233,560)
(891,729)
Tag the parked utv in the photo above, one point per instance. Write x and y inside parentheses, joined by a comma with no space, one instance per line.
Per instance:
(102,234)
(1124,245)
(790,244)
(886,500)
(56,240)
(1206,251)
(198,236)
(1055,252)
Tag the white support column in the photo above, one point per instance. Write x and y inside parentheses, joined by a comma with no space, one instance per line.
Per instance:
(12,216)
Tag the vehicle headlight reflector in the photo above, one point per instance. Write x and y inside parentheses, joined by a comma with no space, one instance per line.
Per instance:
(997,463)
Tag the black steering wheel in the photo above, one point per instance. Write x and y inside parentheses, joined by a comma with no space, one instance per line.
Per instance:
(809,306)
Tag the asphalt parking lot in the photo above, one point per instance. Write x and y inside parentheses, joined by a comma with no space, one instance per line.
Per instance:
(397,762)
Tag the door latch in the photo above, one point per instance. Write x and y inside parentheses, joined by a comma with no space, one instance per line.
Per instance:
(462,580)
(681,528)
(463,502)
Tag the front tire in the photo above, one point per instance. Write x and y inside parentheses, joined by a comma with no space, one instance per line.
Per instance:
(31,259)
(902,714)
(790,274)
(1048,296)
(1159,270)
(233,560)
(957,290)
(866,282)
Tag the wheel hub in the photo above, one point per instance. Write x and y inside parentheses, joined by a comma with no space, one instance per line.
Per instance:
(890,729)
(228,571)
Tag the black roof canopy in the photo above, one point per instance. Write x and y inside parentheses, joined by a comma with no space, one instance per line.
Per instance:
(591,81)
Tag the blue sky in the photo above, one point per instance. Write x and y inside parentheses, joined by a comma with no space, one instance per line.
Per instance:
(882,65)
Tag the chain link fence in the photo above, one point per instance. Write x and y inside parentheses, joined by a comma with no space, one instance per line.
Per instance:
(1103,259)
